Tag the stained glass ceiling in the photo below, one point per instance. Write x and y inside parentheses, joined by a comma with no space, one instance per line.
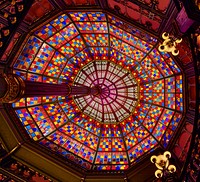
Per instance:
(118,91)
(138,111)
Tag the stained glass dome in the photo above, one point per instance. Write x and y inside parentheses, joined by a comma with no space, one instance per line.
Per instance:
(141,100)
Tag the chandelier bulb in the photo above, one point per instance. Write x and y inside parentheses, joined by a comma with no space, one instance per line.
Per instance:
(172,168)
(167,154)
(153,159)
(158,173)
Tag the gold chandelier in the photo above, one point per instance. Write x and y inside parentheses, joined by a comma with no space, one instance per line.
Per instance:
(162,163)
(169,44)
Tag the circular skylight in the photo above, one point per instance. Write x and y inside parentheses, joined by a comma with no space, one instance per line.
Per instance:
(118,91)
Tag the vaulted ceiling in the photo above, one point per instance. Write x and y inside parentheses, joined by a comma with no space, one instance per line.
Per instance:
(113,44)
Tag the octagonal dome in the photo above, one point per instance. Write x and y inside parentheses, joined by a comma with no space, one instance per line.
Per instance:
(144,87)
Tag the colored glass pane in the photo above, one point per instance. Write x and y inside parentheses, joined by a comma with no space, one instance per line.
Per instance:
(20,73)
(69,32)
(24,116)
(34,77)
(60,22)
(25,59)
(33,101)
(49,80)
(43,57)
(96,16)
(46,31)
(46,126)
(20,103)
(33,131)
(57,40)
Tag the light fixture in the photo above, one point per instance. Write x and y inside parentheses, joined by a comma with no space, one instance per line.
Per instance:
(197,3)
(169,44)
(162,163)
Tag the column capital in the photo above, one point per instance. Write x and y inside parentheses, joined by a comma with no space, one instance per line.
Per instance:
(13,88)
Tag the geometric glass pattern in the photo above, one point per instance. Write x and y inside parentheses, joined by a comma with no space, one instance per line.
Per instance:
(113,130)
(118,96)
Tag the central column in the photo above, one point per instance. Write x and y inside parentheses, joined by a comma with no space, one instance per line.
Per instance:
(44,89)
(83,90)
(14,88)
(34,89)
